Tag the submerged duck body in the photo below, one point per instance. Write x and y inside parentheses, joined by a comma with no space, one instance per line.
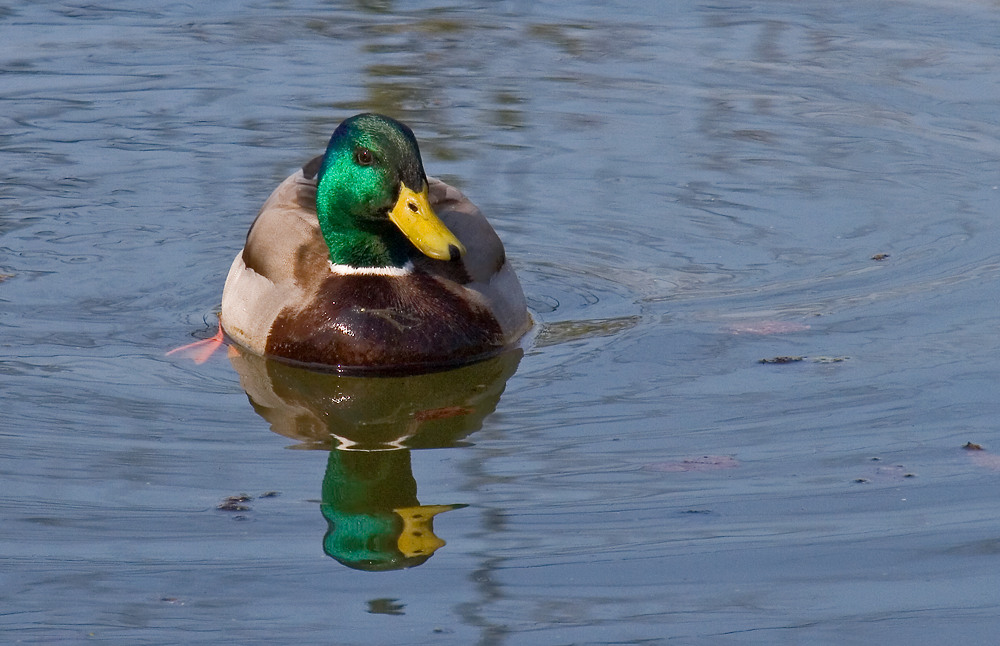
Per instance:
(358,262)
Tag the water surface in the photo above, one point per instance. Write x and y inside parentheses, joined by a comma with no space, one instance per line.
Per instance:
(684,190)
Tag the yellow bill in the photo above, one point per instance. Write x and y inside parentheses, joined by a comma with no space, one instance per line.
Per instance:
(414,216)
(417,537)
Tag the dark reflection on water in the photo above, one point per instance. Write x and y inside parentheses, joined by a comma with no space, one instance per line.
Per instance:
(330,411)
(369,426)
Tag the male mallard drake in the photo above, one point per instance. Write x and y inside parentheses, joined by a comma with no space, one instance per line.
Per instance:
(358,262)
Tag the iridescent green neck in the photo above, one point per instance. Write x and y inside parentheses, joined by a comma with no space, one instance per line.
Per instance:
(350,241)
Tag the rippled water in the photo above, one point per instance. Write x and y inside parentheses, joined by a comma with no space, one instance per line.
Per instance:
(685,189)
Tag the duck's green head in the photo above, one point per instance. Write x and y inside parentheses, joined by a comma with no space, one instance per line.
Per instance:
(371,197)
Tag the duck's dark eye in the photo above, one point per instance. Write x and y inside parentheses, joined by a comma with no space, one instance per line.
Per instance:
(364,157)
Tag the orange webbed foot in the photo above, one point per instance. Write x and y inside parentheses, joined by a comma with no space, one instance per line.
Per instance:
(200,351)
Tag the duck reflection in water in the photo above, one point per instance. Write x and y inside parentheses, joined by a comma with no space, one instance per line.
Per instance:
(369,425)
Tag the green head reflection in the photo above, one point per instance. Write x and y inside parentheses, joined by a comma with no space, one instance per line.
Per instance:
(375,521)
(369,424)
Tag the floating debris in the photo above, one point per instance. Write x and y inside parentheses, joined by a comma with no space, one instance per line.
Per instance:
(386,607)
(972,446)
(235,503)
(794,359)
(880,256)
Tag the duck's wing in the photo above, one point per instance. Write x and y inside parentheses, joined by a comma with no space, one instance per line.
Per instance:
(485,262)
(279,263)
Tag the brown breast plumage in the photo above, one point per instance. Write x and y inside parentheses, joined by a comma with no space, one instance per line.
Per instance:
(362,322)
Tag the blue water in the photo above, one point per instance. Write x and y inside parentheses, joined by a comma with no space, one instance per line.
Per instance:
(684,189)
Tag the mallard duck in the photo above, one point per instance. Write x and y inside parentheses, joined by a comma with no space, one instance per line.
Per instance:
(359,262)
